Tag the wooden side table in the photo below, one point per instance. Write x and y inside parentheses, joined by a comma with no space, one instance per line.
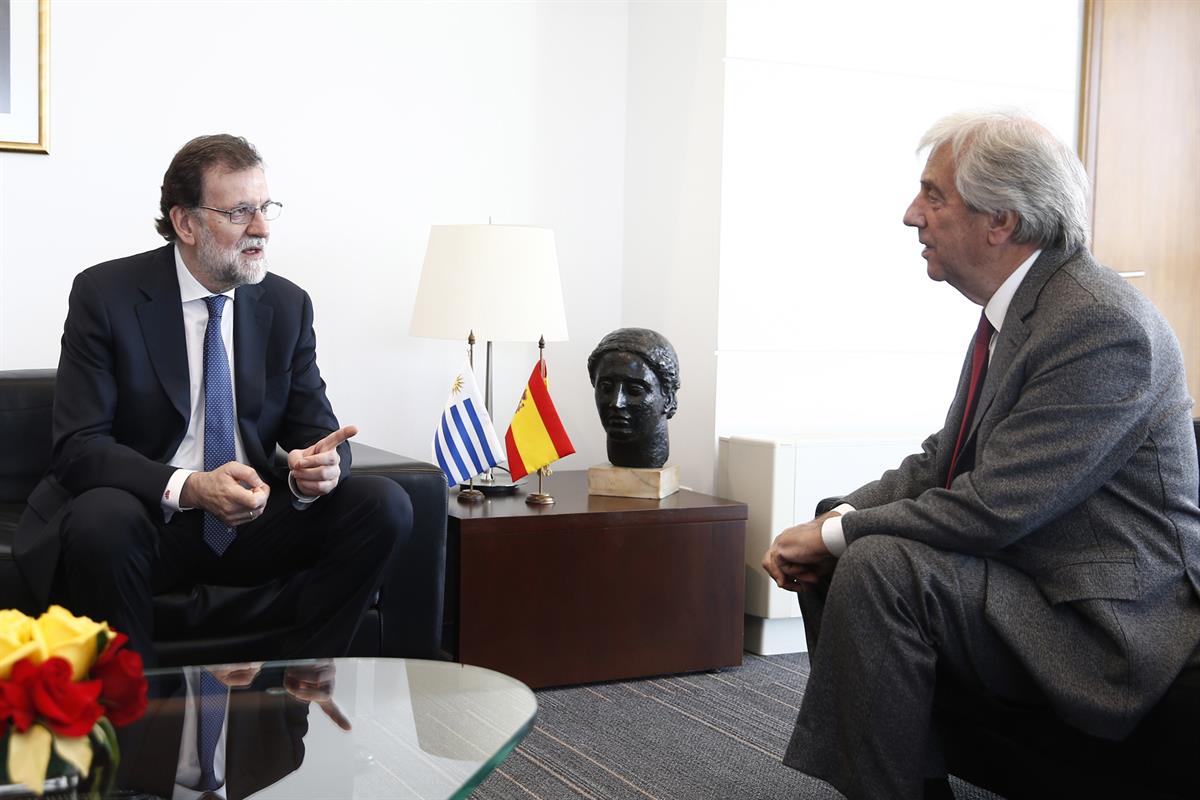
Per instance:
(595,588)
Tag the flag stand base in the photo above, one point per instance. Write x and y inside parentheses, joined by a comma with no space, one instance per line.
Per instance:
(470,495)
(491,489)
(540,498)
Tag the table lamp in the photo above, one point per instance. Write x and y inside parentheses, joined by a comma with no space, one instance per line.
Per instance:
(499,282)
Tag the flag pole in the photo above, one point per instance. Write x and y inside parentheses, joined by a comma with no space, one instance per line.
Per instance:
(470,494)
(540,498)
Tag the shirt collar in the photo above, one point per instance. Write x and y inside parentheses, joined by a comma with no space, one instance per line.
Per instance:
(997,307)
(190,288)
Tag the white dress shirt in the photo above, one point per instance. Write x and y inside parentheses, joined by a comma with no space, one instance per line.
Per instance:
(995,310)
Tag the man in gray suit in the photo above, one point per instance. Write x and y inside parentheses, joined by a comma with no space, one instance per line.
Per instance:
(1044,547)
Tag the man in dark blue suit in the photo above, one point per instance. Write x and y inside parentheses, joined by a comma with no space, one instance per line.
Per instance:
(181,370)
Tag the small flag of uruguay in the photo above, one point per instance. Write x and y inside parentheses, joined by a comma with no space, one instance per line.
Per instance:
(465,443)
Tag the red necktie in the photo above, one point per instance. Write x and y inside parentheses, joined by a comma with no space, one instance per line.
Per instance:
(979,365)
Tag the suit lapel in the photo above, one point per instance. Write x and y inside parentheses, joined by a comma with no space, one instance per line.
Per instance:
(251,328)
(1015,330)
(161,318)
(1008,342)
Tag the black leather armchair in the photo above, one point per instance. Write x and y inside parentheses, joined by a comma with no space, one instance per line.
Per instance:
(1022,753)
(192,627)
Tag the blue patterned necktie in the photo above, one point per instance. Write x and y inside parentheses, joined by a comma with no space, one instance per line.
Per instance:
(210,719)
(219,417)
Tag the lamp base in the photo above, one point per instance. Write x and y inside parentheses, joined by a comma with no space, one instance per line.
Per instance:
(493,485)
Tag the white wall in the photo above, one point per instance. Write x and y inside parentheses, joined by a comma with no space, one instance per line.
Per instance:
(376,120)
(673,206)
(720,203)
(828,325)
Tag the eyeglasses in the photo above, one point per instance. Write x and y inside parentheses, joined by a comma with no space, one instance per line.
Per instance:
(241,215)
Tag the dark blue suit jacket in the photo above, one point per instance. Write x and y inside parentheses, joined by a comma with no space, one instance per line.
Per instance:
(121,404)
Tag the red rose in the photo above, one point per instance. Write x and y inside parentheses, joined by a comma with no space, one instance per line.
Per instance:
(124,686)
(16,702)
(66,707)
(15,705)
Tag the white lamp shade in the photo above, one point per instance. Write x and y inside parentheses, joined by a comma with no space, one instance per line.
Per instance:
(500,281)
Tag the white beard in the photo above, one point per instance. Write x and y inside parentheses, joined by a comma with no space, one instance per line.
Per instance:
(229,267)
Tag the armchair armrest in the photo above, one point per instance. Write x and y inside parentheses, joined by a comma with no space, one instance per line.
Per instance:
(410,600)
(828,504)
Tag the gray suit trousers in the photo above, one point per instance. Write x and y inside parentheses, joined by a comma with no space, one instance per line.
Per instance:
(897,614)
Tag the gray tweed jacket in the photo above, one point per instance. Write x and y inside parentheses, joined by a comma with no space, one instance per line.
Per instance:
(1082,495)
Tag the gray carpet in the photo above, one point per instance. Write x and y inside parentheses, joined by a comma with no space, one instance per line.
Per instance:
(718,735)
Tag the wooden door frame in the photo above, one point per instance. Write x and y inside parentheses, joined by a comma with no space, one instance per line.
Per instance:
(1089,96)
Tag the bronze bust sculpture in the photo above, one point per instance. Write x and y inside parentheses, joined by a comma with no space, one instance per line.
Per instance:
(635,373)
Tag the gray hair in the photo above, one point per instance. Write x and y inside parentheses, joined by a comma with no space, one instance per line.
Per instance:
(1005,161)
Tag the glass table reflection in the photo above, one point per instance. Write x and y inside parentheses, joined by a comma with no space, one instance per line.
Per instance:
(340,728)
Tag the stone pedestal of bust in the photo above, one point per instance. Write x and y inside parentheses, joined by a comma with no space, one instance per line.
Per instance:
(635,373)
(633,482)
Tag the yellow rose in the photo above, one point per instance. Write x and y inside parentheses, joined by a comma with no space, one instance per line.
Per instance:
(16,640)
(77,639)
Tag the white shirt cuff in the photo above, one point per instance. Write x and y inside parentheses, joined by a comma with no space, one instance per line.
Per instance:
(174,491)
(831,531)
(300,501)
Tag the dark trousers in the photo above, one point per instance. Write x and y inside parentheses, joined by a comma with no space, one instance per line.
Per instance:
(117,554)
(896,614)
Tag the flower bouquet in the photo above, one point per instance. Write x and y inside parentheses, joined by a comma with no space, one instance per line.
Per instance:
(65,681)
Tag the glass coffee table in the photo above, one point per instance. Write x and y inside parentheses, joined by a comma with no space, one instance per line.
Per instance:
(345,728)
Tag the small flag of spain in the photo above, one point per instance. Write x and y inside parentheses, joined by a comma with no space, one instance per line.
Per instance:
(536,436)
